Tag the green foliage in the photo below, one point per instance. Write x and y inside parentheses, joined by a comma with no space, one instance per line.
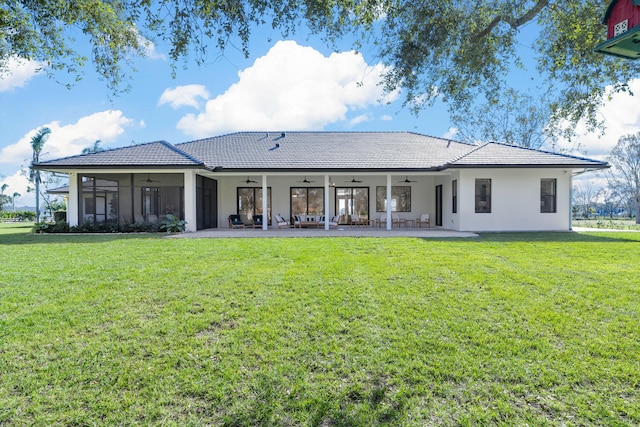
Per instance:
(457,51)
(5,200)
(172,224)
(532,329)
(18,216)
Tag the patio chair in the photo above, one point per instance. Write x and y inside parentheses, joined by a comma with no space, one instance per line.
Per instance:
(396,220)
(235,221)
(257,221)
(424,219)
(382,220)
(281,222)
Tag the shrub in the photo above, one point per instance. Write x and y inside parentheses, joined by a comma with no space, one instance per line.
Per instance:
(172,224)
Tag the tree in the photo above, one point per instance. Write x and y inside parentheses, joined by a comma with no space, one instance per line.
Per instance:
(517,120)
(625,159)
(13,199)
(37,143)
(94,149)
(3,198)
(585,197)
(456,51)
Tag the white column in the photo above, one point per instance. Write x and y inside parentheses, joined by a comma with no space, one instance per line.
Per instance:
(190,205)
(388,202)
(265,199)
(326,202)
(74,199)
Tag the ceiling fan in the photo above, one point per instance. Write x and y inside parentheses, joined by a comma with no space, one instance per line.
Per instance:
(354,180)
(306,181)
(407,180)
(149,180)
(249,181)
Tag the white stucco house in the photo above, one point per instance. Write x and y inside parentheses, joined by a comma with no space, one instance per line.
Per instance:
(375,175)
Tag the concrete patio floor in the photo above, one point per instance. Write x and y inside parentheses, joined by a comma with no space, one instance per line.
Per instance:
(345,231)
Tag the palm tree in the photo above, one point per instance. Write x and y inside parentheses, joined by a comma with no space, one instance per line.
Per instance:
(95,149)
(13,199)
(37,143)
(2,188)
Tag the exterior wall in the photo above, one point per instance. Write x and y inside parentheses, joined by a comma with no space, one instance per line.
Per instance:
(623,10)
(515,200)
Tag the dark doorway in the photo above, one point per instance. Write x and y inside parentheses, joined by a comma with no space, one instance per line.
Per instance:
(207,203)
(439,205)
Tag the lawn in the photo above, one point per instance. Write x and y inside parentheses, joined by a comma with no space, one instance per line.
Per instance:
(504,329)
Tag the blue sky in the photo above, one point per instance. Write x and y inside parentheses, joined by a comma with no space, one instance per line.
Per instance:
(293,84)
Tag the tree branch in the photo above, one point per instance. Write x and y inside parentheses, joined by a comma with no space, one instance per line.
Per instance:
(513,23)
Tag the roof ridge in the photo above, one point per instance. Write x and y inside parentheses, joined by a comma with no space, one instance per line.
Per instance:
(182,153)
(279,132)
(462,156)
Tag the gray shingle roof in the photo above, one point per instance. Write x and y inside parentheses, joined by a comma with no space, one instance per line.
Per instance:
(325,150)
(383,151)
(159,153)
(502,155)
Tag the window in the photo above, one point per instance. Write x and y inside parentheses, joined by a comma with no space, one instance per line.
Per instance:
(548,195)
(250,202)
(483,196)
(621,27)
(400,198)
(454,196)
(150,201)
(307,201)
(352,200)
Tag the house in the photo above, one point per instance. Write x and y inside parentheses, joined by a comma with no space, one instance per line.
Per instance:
(372,175)
(622,19)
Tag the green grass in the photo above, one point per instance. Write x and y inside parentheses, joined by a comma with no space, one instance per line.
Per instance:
(506,329)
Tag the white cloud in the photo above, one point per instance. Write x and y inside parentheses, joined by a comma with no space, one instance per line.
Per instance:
(150,50)
(68,140)
(360,119)
(18,73)
(291,87)
(184,96)
(621,116)
(386,118)
(451,133)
